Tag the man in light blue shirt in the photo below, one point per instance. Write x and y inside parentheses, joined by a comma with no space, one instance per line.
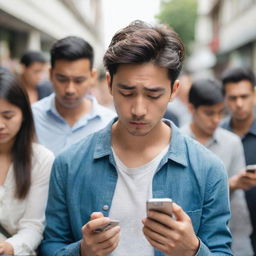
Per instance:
(111,173)
(71,113)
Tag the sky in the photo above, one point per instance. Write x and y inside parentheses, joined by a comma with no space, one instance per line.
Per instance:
(119,13)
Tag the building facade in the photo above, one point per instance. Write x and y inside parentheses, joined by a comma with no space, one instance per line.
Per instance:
(35,25)
(227,29)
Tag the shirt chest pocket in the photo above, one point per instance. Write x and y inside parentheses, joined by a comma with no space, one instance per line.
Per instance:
(195,217)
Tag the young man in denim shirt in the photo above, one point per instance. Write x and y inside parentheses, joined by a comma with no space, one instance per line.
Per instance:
(111,173)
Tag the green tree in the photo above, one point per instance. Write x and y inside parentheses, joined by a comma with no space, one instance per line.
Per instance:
(181,16)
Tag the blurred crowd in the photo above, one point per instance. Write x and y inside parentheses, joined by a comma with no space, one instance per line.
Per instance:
(48,107)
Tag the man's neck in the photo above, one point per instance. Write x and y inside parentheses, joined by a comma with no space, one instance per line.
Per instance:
(135,151)
(240,127)
(26,84)
(72,115)
(200,136)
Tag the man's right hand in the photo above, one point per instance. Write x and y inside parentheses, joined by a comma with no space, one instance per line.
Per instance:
(98,244)
(242,180)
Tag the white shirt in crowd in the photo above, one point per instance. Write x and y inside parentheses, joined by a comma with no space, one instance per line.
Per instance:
(24,219)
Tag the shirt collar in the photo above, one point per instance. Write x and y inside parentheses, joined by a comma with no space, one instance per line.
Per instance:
(214,139)
(176,152)
(252,130)
(95,110)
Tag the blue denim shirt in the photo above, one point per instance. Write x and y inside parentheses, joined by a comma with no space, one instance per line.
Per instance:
(84,177)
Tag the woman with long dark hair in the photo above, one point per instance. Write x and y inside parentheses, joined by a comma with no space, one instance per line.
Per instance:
(24,172)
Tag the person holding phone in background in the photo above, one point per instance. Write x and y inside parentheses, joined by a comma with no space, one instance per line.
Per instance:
(110,174)
(24,172)
(238,90)
(206,103)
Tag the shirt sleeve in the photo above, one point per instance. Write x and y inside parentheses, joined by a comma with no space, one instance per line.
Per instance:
(31,225)
(215,237)
(58,240)
(238,161)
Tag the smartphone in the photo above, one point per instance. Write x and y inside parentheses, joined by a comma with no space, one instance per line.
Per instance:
(251,168)
(163,205)
(108,226)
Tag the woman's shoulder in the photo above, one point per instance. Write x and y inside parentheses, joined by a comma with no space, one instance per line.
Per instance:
(41,154)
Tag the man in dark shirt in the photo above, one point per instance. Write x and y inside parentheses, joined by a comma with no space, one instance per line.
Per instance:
(238,89)
(33,68)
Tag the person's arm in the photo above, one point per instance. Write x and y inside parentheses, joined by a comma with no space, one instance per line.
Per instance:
(31,225)
(214,234)
(58,239)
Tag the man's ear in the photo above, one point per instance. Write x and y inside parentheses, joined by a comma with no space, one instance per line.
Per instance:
(109,81)
(94,75)
(175,89)
(191,108)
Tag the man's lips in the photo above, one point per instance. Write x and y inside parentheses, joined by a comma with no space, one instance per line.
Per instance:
(137,123)
(69,98)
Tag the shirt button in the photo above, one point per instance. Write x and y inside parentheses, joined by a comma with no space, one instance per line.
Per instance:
(105,207)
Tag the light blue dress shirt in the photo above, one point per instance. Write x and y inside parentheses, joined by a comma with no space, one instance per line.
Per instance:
(84,177)
(56,134)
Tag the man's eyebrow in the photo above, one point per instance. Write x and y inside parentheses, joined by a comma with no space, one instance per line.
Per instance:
(60,75)
(128,87)
(155,89)
(64,76)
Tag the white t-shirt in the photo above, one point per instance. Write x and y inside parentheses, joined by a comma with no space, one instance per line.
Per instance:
(24,219)
(133,188)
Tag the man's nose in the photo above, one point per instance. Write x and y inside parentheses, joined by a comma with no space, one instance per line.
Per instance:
(217,118)
(139,107)
(70,88)
(239,102)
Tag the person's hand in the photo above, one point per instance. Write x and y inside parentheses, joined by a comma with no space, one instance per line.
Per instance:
(243,180)
(171,236)
(98,244)
(6,248)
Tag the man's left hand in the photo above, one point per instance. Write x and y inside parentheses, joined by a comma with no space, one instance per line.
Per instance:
(171,236)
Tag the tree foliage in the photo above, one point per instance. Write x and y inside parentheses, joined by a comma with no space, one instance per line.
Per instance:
(181,16)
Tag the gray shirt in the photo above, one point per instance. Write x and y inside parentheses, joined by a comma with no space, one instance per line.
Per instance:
(228,147)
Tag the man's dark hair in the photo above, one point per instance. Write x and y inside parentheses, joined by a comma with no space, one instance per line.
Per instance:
(205,92)
(30,57)
(71,48)
(140,43)
(235,75)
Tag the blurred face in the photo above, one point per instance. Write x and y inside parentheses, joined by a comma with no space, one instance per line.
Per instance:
(207,118)
(10,122)
(141,93)
(71,81)
(239,99)
(34,73)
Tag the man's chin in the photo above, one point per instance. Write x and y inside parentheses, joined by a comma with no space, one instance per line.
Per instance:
(69,105)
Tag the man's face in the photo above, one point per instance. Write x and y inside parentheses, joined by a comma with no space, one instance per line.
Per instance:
(141,93)
(239,99)
(71,81)
(34,73)
(207,118)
